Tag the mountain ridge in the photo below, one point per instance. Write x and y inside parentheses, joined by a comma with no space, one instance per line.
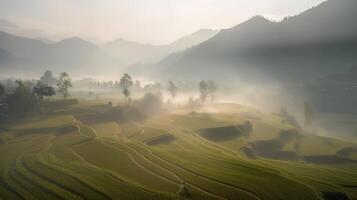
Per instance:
(74,54)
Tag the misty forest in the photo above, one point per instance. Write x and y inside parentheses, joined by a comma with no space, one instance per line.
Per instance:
(254,107)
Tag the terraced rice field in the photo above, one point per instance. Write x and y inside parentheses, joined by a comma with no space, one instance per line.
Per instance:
(62,157)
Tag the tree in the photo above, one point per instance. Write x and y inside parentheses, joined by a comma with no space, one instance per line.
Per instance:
(39,89)
(21,101)
(49,91)
(42,90)
(125,83)
(64,83)
(150,103)
(48,78)
(137,84)
(172,89)
(203,90)
(212,88)
(308,114)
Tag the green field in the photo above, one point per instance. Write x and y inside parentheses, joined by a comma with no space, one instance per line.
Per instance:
(89,151)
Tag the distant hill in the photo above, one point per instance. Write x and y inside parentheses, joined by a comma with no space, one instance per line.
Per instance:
(81,57)
(299,48)
(339,88)
(35,56)
(348,77)
(5,57)
(132,52)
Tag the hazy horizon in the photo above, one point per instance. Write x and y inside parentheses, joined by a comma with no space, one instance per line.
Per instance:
(141,21)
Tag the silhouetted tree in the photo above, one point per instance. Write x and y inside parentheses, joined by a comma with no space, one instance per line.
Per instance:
(137,84)
(212,88)
(64,83)
(125,83)
(48,79)
(172,89)
(48,91)
(39,89)
(21,101)
(203,90)
(150,103)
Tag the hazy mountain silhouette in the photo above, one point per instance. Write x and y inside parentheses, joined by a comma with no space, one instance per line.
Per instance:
(348,77)
(5,57)
(34,55)
(339,88)
(133,52)
(316,42)
(76,55)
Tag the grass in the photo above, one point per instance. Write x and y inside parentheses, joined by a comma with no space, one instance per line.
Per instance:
(108,130)
(148,133)
(114,160)
(123,165)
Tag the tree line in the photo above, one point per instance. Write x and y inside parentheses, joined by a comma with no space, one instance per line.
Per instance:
(22,97)
(207,89)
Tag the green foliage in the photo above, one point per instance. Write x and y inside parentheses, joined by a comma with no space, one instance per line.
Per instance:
(204,90)
(150,103)
(125,83)
(42,90)
(111,160)
(21,101)
(64,83)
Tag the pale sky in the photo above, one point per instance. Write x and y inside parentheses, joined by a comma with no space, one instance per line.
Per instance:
(147,21)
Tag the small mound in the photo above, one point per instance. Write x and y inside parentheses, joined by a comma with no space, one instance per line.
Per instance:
(271,149)
(162,139)
(328,160)
(346,152)
(334,196)
(220,133)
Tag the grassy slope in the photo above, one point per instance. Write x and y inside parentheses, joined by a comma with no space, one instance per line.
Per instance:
(108,160)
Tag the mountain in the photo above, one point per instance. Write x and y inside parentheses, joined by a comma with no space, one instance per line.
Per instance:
(5,57)
(45,40)
(35,56)
(316,42)
(79,56)
(192,39)
(339,88)
(132,52)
